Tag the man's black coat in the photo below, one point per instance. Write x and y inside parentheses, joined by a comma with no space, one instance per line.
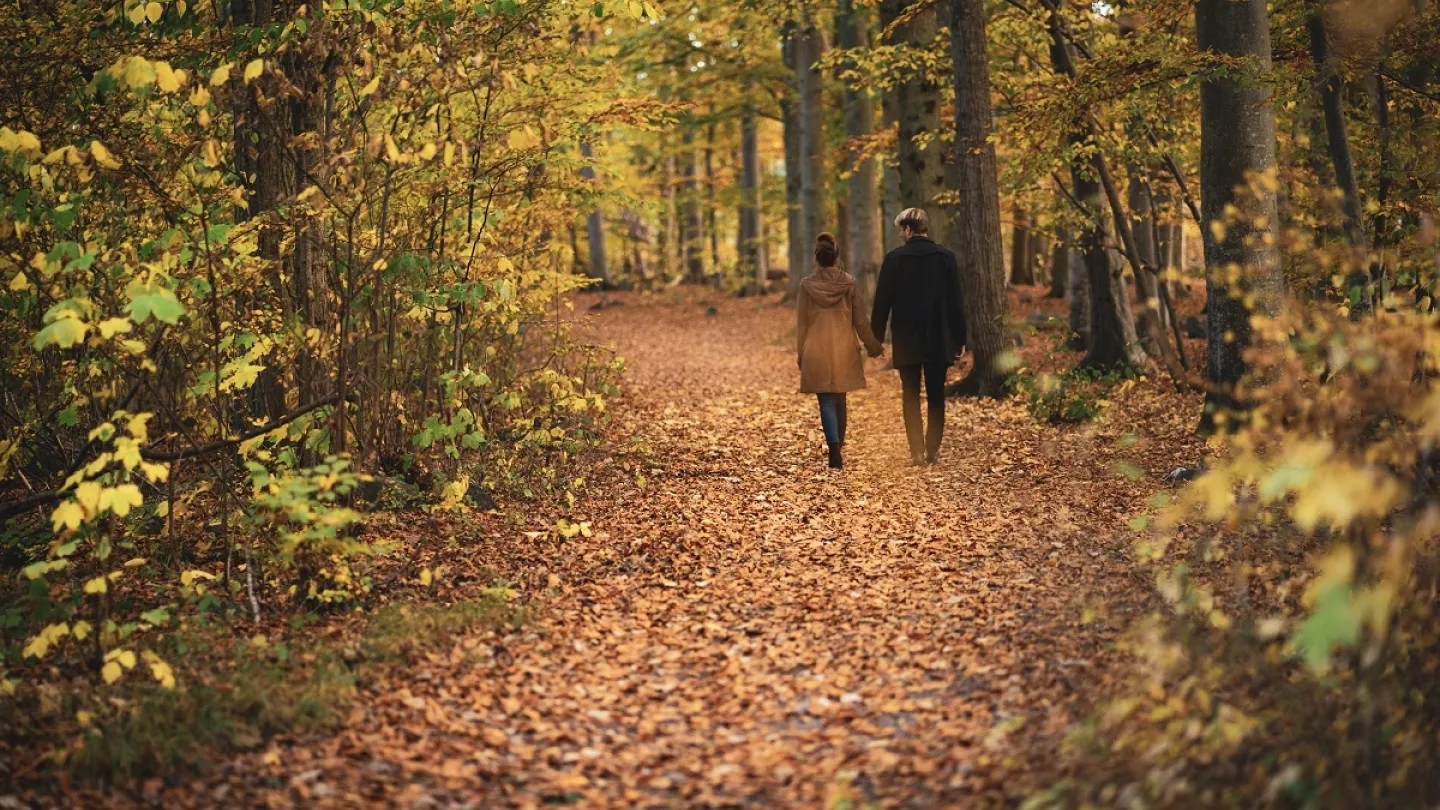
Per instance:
(919,288)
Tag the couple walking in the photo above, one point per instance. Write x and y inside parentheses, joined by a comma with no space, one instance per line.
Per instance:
(918,297)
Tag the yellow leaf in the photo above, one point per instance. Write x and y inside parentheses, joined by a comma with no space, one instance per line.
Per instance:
(103,156)
(43,640)
(168,79)
(160,670)
(84,718)
(426,577)
(427,151)
(370,87)
(391,150)
(521,139)
(19,283)
(154,11)
(221,75)
(254,69)
(113,326)
(111,672)
(139,72)
(124,658)
(97,586)
(157,473)
(189,577)
(449,153)
(87,494)
(136,14)
(68,515)
(121,499)
(81,630)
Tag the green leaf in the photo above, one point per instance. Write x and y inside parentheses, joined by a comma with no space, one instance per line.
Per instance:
(158,616)
(68,417)
(1334,622)
(64,333)
(156,301)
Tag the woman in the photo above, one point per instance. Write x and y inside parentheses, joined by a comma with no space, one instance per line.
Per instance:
(828,321)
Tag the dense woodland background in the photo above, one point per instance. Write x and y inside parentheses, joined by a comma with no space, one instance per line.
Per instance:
(272,268)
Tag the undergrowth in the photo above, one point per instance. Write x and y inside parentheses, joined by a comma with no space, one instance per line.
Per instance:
(264,691)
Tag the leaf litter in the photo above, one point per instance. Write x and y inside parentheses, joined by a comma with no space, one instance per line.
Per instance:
(739,626)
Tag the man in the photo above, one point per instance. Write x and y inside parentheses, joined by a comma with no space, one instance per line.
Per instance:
(919,287)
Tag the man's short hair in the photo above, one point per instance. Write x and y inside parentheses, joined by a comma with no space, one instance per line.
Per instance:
(915,219)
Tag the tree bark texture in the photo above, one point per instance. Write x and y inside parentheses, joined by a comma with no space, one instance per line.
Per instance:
(598,266)
(809,50)
(752,253)
(864,249)
(975,225)
(917,107)
(1237,141)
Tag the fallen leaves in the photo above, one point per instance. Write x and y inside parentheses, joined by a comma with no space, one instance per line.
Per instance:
(748,628)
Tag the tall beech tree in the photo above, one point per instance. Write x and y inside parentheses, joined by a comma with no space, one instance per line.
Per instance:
(1237,161)
(975,221)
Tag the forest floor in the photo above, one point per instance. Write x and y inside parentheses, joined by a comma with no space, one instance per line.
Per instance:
(741,627)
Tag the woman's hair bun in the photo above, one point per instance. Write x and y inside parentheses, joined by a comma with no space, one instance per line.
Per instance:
(826,253)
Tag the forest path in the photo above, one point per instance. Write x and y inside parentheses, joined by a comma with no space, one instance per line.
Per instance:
(752,629)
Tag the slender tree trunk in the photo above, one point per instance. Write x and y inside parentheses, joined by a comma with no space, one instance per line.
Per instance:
(598,266)
(710,206)
(1152,315)
(1237,140)
(1059,265)
(809,50)
(1112,343)
(892,203)
(790,116)
(691,213)
(669,233)
(917,106)
(1022,269)
(752,253)
(1078,281)
(1330,88)
(976,220)
(1039,254)
(865,246)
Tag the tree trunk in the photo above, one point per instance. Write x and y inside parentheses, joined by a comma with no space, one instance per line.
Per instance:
(917,106)
(1237,139)
(976,220)
(669,235)
(710,206)
(809,50)
(1152,315)
(598,267)
(1060,265)
(1112,343)
(864,247)
(692,223)
(1022,270)
(790,116)
(891,203)
(752,254)
(1039,254)
(1330,89)
(1078,280)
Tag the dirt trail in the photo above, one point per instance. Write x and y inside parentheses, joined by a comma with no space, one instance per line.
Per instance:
(751,629)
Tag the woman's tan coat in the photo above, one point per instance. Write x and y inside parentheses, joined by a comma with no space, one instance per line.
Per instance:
(828,321)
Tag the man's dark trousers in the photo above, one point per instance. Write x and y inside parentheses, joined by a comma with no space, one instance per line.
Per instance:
(926,440)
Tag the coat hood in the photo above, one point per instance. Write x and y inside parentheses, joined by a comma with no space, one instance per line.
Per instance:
(828,286)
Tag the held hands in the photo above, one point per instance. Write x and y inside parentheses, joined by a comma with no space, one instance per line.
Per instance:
(877,351)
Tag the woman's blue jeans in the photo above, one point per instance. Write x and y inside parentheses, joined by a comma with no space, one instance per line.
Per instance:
(833,417)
